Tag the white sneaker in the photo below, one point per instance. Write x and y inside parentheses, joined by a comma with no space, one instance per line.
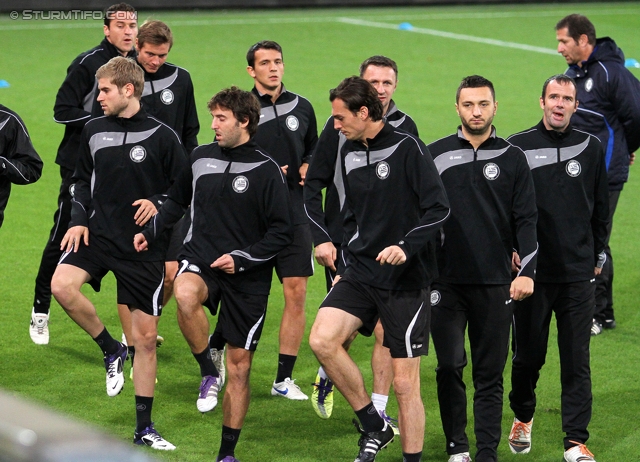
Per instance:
(39,328)
(150,437)
(461,457)
(208,397)
(115,376)
(288,389)
(520,437)
(596,328)
(217,356)
(578,453)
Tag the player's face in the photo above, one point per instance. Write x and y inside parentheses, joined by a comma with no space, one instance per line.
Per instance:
(476,109)
(229,131)
(112,99)
(122,31)
(152,57)
(384,80)
(558,105)
(351,125)
(267,70)
(569,48)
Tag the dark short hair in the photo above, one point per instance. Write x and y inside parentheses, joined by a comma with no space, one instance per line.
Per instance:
(244,105)
(111,13)
(380,61)
(262,45)
(475,81)
(356,92)
(121,71)
(578,25)
(562,80)
(154,33)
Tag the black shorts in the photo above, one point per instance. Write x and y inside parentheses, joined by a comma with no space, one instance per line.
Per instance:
(241,315)
(178,234)
(296,260)
(404,314)
(140,284)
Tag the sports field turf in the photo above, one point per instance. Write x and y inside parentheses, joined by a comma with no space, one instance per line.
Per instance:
(511,45)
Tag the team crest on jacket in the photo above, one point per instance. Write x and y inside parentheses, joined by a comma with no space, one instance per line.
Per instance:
(166,96)
(240,184)
(292,123)
(588,85)
(491,171)
(573,168)
(138,154)
(383,170)
(435,297)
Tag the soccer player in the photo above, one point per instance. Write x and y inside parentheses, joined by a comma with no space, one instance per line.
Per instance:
(127,162)
(326,225)
(609,96)
(395,204)
(240,220)
(288,132)
(493,209)
(75,104)
(167,95)
(19,161)
(570,178)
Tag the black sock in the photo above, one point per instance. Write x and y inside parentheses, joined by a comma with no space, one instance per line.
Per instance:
(285,367)
(107,343)
(216,341)
(206,364)
(370,419)
(417,457)
(228,442)
(40,308)
(132,353)
(143,412)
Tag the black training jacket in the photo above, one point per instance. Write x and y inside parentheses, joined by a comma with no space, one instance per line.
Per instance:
(572,197)
(325,172)
(19,161)
(120,161)
(394,196)
(168,95)
(76,101)
(493,206)
(288,132)
(239,206)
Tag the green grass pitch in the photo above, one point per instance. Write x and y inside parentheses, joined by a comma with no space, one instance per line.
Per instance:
(320,48)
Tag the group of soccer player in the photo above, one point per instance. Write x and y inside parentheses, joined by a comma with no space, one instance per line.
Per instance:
(416,239)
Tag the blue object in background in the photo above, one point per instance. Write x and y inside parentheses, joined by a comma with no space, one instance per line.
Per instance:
(405,26)
(631,63)
(4,84)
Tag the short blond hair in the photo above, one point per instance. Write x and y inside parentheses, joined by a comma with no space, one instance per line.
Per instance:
(121,71)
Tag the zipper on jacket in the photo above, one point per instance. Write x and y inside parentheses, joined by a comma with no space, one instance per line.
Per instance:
(275,111)
(225,175)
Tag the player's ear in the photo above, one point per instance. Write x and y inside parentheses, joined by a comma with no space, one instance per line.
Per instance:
(251,71)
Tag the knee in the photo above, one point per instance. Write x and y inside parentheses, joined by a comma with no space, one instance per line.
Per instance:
(321,345)
(62,289)
(186,296)
(238,370)
(406,385)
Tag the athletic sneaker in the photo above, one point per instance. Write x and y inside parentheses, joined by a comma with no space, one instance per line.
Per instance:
(462,457)
(372,442)
(578,453)
(228,459)
(217,356)
(115,376)
(393,423)
(596,328)
(609,324)
(288,389)
(322,397)
(150,437)
(39,328)
(159,341)
(520,437)
(208,397)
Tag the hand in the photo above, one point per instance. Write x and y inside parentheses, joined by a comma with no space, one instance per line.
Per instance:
(140,242)
(145,212)
(225,263)
(72,237)
(393,255)
(515,262)
(521,288)
(597,271)
(284,169)
(326,255)
(632,158)
(303,172)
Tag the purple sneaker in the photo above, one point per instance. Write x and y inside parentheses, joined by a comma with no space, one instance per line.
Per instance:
(150,437)
(208,397)
(113,364)
(228,459)
(393,423)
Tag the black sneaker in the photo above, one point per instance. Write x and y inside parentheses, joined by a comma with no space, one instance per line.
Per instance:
(609,324)
(372,442)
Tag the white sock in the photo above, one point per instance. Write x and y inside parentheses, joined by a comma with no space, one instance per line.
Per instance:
(322,373)
(379,401)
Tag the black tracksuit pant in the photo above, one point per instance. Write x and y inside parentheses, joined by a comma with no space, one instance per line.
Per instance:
(604,281)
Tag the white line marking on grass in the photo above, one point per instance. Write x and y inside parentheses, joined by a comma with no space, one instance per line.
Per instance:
(504,14)
(451,35)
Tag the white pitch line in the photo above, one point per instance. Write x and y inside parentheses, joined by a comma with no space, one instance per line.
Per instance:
(451,35)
